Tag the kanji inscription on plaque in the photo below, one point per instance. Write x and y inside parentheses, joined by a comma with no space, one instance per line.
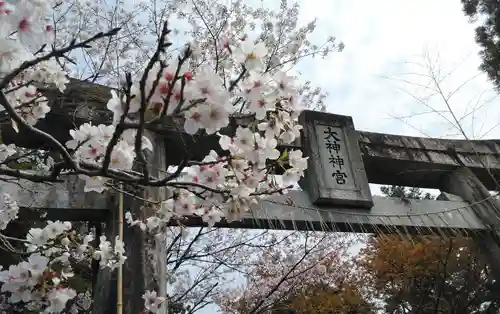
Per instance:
(335,173)
(334,157)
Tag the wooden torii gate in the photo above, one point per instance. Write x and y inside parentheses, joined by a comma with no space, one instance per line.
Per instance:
(335,194)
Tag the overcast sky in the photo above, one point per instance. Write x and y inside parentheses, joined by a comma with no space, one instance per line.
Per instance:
(385,42)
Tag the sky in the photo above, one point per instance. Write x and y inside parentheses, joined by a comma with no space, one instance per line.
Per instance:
(380,77)
(387,44)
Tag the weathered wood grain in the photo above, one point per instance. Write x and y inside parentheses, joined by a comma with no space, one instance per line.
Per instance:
(388,159)
(69,194)
(388,215)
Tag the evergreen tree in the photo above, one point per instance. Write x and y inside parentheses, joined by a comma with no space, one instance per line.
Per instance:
(487,34)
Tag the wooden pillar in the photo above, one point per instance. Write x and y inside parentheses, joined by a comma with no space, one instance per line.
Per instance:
(145,266)
(157,167)
(135,270)
(464,183)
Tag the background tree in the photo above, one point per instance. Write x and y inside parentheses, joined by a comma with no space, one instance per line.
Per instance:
(309,276)
(345,298)
(425,274)
(487,34)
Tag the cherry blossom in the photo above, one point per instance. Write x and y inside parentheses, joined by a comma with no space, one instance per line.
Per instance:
(251,54)
(109,256)
(193,120)
(272,128)
(58,297)
(9,51)
(152,301)
(37,282)
(185,84)
(116,106)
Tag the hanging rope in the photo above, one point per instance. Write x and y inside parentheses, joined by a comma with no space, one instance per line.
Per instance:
(119,282)
(380,222)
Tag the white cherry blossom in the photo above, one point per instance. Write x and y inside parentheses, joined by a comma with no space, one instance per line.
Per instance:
(201,90)
(297,160)
(115,105)
(58,298)
(260,104)
(152,301)
(9,53)
(244,139)
(37,237)
(207,85)
(284,84)
(251,54)
(214,117)
(193,120)
(271,128)
(291,134)
(212,216)
(37,263)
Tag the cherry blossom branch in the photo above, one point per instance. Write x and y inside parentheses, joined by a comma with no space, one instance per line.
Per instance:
(162,45)
(281,281)
(55,53)
(187,250)
(20,121)
(186,185)
(234,83)
(207,163)
(276,191)
(211,34)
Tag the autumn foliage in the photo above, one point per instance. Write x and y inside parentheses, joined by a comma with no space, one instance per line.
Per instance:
(425,274)
(391,274)
(325,299)
(432,274)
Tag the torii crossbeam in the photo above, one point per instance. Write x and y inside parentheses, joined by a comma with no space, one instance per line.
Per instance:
(383,159)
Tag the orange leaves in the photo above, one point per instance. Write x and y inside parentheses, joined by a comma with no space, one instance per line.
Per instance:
(424,272)
(324,299)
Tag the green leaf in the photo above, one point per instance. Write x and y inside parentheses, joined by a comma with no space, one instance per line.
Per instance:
(284,155)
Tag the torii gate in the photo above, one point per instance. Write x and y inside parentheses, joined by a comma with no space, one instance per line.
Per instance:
(335,195)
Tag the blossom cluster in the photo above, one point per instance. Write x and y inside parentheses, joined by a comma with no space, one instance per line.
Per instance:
(90,143)
(41,281)
(226,186)
(304,261)
(8,212)
(152,301)
(24,28)
(205,102)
